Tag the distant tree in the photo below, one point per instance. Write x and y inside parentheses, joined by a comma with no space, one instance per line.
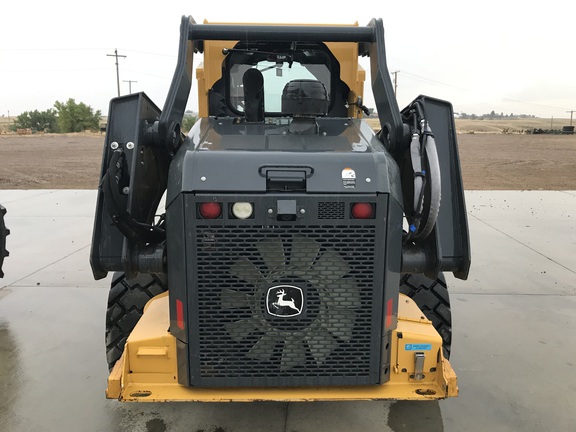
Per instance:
(76,117)
(188,122)
(37,121)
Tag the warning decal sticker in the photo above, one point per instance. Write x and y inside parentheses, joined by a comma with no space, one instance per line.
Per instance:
(348,178)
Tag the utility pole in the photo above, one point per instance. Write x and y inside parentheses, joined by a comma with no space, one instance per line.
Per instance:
(129,85)
(395,73)
(571,112)
(117,68)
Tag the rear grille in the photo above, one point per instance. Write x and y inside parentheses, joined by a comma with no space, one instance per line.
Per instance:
(285,306)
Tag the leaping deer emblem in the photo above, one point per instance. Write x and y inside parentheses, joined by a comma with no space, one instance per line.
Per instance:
(281,302)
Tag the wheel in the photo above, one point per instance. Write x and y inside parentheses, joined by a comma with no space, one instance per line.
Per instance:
(431,296)
(126,302)
(3,233)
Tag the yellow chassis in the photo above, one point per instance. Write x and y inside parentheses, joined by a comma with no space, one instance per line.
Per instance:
(147,371)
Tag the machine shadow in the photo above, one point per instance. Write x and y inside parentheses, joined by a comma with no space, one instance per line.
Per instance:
(406,416)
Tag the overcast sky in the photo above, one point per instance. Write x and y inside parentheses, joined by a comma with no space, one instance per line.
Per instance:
(502,55)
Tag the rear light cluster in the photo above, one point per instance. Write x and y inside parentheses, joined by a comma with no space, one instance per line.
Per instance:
(245,210)
(238,210)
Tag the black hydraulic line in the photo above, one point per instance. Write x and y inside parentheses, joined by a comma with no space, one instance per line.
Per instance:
(137,232)
(422,144)
(429,146)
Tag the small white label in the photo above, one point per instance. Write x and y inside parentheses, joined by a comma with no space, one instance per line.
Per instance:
(348,178)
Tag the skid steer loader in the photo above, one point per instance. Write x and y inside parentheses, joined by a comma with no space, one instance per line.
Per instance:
(300,255)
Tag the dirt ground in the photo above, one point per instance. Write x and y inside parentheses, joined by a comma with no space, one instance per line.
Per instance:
(489,161)
(518,162)
(50,161)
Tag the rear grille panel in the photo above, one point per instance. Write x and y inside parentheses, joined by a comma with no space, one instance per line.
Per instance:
(285,305)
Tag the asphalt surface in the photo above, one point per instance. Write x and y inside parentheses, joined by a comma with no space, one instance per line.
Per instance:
(514,340)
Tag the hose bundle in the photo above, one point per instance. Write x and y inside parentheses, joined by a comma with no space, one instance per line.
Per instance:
(425,165)
(113,184)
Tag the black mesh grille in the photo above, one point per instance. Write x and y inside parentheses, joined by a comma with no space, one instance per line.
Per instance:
(290,305)
(331,210)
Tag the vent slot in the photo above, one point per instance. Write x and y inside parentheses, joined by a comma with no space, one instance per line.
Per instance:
(331,210)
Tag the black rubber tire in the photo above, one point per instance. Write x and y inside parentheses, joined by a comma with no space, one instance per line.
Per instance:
(3,234)
(126,302)
(433,299)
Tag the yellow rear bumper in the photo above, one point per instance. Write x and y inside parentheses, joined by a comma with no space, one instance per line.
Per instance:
(147,371)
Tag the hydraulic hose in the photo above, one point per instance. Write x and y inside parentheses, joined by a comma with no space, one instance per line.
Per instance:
(419,177)
(435,182)
(423,146)
(132,229)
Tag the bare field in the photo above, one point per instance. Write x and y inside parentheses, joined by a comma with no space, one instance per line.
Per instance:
(489,161)
(509,126)
(518,162)
(50,161)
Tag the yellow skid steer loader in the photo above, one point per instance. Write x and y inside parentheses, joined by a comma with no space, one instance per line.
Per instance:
(298,255)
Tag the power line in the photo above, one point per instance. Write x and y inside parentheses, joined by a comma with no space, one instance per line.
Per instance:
(129,85)
(53,49)
(152,53)
(439,83)
(532,103)
(150,75)
(117,68)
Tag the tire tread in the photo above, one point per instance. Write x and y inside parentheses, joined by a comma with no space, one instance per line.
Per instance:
(126,301)
(433,299)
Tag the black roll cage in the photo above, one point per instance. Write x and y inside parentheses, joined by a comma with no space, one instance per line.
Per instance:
(370,41)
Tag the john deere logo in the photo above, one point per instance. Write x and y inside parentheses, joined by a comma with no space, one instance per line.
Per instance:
(284,301)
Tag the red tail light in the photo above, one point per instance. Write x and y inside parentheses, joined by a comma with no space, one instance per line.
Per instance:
(210,210)
(362,210)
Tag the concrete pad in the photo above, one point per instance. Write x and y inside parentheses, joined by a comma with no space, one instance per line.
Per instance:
(46,228)
(544,222)
(514,357)
(513,337)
